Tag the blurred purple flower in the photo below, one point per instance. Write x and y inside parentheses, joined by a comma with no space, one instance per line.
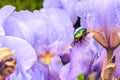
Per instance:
(66,5)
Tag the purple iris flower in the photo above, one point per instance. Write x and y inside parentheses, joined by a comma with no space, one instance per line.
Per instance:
(67,5)
(57,37)
(5,12)
(103,18)
(49,31)
(25,56)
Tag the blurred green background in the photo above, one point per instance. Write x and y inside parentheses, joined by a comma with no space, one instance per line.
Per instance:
(23,4)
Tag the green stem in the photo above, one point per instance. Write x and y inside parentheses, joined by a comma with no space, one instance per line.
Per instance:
(109,54)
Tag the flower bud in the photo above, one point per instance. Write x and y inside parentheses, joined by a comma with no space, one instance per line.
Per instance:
(7,62)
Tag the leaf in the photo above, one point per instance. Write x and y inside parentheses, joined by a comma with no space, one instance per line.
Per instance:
(80,77)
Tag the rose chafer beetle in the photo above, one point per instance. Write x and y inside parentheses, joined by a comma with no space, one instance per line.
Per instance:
(80,34)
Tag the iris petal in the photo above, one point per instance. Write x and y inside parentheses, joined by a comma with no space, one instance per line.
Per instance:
(66,5)
(18,25)
(5,12)
(24,54)
(94,15)
(54,68)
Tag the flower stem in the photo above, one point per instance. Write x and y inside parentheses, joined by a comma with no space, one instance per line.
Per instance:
(109,66)
(109,54)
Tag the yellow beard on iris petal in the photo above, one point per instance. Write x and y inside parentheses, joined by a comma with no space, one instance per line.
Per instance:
(47,58)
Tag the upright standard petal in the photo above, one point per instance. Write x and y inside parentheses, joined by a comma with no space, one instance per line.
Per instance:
(56,30)
(97,15)
(5,12)
(19,25)
(66,5)
(48,3)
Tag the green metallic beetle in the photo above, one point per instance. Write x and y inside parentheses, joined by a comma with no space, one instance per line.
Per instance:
(79,35)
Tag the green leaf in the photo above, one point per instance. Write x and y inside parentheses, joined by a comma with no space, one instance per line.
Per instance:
(23,4)
(80,77)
